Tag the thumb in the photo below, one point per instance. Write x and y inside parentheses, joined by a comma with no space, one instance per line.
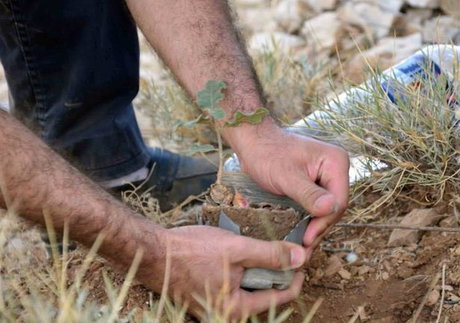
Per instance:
(312,197)
(278,255)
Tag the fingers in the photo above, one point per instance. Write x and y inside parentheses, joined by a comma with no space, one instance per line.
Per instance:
(324,189)
(334,177)
(244,303)
(315,199)
(252,253)
(316,230)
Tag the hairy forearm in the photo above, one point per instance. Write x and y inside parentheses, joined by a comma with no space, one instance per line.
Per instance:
(35,181)
(198,42)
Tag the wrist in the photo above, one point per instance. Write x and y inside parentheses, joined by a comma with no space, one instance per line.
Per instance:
(244,136)
(139,235)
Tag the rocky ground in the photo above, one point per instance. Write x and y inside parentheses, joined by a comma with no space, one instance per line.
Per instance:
(358,274)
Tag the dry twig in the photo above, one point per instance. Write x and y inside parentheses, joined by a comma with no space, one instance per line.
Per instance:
(359,312)
(313,310)
(393,227)
(433,283)
(443,292)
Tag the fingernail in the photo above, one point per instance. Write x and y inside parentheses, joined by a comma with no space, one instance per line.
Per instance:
(335,209)
(297,257)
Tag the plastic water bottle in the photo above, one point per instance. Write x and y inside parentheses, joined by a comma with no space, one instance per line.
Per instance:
(427,64)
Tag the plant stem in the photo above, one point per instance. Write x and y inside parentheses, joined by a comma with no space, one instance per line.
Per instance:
(221,156)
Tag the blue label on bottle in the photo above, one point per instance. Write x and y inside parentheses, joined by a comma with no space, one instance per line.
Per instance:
(409,75)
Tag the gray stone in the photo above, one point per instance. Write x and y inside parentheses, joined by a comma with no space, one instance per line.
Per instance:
(267,41)
(416,218)
(375,21)
(251,3)
(442,29)
(393,6)
(418,15)
(290,14)
(423,3)
(321,32)
(387,52)
(451,7)
(323,4)
(260,278)
(254,20)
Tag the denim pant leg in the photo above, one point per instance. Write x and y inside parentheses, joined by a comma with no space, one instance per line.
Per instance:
(72,67)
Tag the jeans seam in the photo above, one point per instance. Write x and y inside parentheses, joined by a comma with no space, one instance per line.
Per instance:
(124,161)
(32,72)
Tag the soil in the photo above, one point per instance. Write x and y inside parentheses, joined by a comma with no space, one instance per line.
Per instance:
(389,283)
(256,223)
(384,284)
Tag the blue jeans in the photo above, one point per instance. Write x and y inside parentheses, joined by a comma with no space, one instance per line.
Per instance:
(72,67)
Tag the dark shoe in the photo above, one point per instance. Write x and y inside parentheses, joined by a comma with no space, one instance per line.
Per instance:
(174,177)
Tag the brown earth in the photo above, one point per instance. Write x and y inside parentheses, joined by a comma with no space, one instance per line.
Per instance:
(389,283)
(385,284)
(256,223)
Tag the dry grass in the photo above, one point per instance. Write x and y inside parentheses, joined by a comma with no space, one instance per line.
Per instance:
(291,86)
(416,141)
(34,288)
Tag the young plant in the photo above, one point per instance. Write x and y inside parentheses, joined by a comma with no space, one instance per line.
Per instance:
(208,99)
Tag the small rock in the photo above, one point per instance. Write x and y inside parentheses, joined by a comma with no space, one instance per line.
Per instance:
(363,270)
(385,275)
(290,14)
(417,217)
(321,31)
(442,30)
(452,299)
(448,288)
(351,257)
(393,6)
(251,3)
(454,277)
(451,8)
(257,20)
(433,297)
(372,19)
(267,42)
(323,4)
(404,26)
(354,270)
(423,3)
(334,265)
(388,52)
(345,274)
(418,16)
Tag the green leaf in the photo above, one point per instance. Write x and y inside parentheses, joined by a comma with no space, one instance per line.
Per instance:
(201,119)
(252,118)
(218,113)
(200,149)
(210,96)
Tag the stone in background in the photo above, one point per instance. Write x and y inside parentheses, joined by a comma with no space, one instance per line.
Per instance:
(354,34)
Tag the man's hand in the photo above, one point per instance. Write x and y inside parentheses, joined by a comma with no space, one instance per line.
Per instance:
(207,266)
(205,261)
(198,42)
(313,173)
